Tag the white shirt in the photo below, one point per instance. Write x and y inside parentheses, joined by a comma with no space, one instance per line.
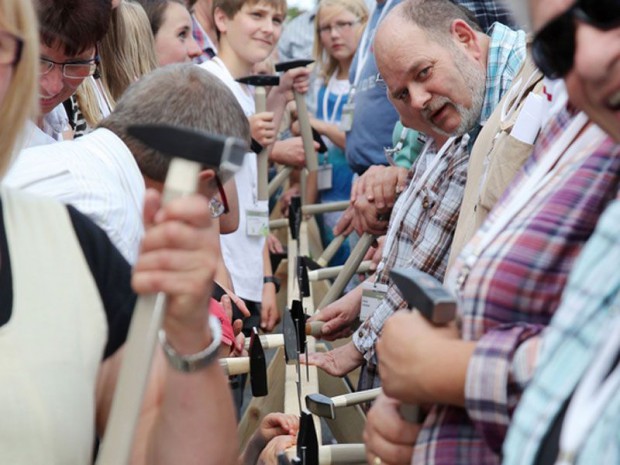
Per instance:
(54,124)
(243,254)
(97,174)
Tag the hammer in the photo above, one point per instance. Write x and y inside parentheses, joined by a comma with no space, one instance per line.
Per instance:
(325,407)
(302,115)
(254,364)
(190,150)
(313,209)
(259,82)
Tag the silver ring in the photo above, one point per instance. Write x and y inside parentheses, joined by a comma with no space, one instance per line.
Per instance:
(377,460)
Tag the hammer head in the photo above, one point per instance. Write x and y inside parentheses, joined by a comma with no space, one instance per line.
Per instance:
(289,331)
(225,154)
(299,318)
(425,293)
(302,276)
(283,459)
(321,405)
(286,65)
(307,442)
(294,216)
(258,366)
(260,80)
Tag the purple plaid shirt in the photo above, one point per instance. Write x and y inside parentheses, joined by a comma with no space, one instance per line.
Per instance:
(511,292)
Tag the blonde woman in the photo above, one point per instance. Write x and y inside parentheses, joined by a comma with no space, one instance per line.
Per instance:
(339,27)
(126,52)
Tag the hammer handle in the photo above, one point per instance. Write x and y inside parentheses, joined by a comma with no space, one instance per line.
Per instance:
(331,250)
(355,398)
(342,454)
(182,179)
(315,208)
(278,180)
(260,103)
(235,365)
(334,271)
(306,132)
(268,341)
(351,265)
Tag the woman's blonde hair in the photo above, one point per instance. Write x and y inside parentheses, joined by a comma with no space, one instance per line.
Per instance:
(127,52)
(21,99)
(325,64)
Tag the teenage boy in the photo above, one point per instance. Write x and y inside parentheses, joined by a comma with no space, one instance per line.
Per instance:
(248,32)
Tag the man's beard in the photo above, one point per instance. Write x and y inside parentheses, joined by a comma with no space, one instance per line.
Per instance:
(475,80)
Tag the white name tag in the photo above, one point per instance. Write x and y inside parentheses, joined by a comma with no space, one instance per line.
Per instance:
(324,177)
(257,222)
(372,295)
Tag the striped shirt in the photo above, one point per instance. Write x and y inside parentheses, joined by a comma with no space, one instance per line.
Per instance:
(423,238)
(589,305)
(511,291)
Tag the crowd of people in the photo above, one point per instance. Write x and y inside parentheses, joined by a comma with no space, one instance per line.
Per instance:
(477,141)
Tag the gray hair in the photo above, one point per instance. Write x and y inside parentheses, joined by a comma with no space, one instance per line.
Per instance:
(435,17)
(178,95)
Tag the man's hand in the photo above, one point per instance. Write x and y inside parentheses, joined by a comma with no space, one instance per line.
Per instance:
(381,185)
(278,424)
(387,435)
(276,433)
(269,314)
(340,315)
(290,152)
(337,362)
(263,128)
(345,223)
(421,363)
(368,218)
(178,257)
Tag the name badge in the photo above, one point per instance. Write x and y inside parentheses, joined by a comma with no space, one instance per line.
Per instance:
(346,120)
(372,295)
(324,177)
(257,223)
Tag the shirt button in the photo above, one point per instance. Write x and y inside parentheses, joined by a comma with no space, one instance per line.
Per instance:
(425,203)
(360,333)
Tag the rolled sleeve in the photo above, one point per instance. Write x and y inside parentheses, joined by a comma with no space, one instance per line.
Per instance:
(498,372)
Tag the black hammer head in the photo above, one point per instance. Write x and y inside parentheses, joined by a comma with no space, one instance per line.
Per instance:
(258,366)
(289,331)
(307,442)
(302,277)
(294,216)
(225,154)
(425,293)
(286,65)
(299,318)
(260,80)
(283,459)
(321,405)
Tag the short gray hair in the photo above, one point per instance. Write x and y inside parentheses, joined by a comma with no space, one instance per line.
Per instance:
(435,17)
(177,95)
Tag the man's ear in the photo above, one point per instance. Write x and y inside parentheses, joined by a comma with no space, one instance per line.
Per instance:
(463,34)
(207,184)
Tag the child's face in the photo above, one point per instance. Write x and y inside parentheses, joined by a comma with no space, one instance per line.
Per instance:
(253,32)
(339,32)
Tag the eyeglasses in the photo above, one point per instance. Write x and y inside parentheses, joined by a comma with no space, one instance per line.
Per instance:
(553,47)
(219,206)
(78,69)
(338,26)
(10,48)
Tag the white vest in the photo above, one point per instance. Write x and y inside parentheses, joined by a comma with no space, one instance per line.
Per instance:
(51,348)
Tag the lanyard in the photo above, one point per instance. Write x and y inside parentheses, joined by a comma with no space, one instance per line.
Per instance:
(364,46)
(591,396)
(326,116)
(564,151)
(412,192)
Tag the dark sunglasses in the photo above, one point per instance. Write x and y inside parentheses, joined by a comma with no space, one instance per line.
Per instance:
(553,47)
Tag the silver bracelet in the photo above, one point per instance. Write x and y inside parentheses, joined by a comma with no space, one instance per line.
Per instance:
(194,362)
